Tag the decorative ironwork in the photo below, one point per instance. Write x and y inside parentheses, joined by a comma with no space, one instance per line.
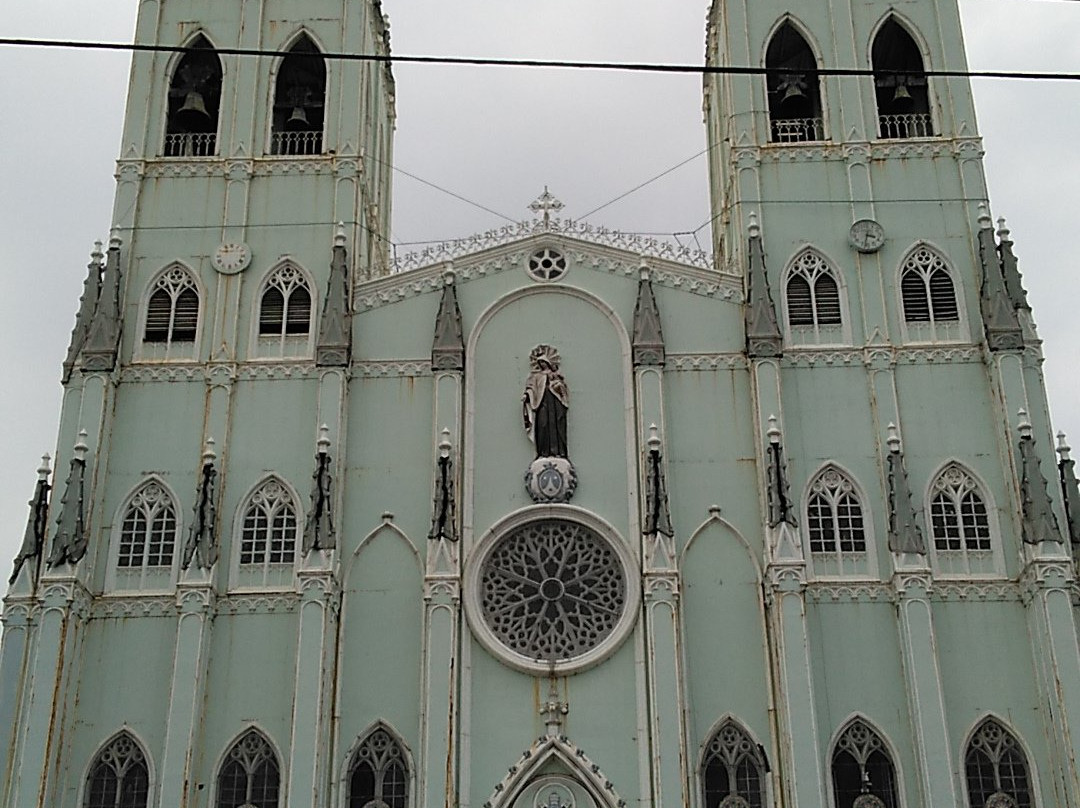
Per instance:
(552,590)
(901,127)
(296,143)
(798,130)
(191,144)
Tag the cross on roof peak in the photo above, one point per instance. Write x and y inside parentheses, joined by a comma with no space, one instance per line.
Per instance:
(545,204)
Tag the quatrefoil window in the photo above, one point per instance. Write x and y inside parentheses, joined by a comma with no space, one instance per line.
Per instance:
(547,265)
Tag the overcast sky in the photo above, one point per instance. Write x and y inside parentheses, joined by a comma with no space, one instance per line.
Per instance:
(497,136)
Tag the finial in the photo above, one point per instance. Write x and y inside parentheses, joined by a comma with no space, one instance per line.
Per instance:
(449,275)
(114,239)
(753,228)
(653,440)
(1025,424)
(773,431)
(1063,447)
(985,222)
(339,235)
(1003,231)
(323,443)
(545,204)
(44,469)
(894,439)
(714,511)
(96,254)
(643,269)
(209,455)
(387,517)
(445,445)
(80,446)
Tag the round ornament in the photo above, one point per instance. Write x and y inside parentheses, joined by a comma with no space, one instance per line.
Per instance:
(866,236)
(232,257)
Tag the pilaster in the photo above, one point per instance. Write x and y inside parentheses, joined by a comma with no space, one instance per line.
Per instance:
(195,602)
(19,625)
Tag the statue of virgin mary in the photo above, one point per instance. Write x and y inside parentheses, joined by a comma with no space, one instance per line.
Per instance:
(545,403)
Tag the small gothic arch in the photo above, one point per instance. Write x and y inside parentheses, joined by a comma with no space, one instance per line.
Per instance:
(299,101)
(249,773)
(837,525)
(545,756)
(285,312)
(793,86)
(194,101)
(716,519)
(997,767)
(901,86)
(930,296)
(378,770)
(733,768)
(171,319)
(146,537)
(119,775)
(815,300)
(266,535)
(961,523)
(862,762)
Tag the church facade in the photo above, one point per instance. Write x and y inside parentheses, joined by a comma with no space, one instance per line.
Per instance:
(549,517)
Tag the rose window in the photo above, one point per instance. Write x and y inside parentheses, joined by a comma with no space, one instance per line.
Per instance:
(552,590)
(547,265)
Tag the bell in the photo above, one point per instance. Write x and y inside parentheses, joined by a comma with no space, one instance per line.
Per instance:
(902,98)
(193,115)
(298,121)
(793,91)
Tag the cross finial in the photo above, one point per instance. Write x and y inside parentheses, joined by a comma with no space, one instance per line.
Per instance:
(554,710)
(545,204)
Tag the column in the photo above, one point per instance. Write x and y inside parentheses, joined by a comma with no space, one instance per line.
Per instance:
(14,650)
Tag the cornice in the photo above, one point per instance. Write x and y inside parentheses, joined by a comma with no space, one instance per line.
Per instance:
(859,151)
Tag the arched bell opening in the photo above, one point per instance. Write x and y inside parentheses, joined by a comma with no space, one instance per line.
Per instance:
(900,84)
(299,101)
(794,88)
(194,102)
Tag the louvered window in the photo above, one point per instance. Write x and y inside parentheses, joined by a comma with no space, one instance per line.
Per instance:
(285,313)
(813,300)
(172,312)
(927,289)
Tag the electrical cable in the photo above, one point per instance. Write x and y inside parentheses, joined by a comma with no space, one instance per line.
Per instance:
(638,67)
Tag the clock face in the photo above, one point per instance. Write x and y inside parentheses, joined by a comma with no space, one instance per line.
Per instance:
(232,258)
(866,236)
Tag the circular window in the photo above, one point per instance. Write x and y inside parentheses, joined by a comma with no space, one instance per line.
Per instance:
(547,265)
(552,591)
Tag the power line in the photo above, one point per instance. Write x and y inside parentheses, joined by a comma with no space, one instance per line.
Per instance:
(634,67)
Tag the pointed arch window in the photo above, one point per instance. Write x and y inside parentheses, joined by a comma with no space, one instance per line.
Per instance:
(733,770)
(794,88)
(996,769)
(900,84)
(269,531)
(146,544)
(835,525)
(285,314)
(250,775)
(960,523)
(299,101)
(931,311)
(861,765)
(172,316)
(812,296)
(119,776)
(194,102)
(378,773)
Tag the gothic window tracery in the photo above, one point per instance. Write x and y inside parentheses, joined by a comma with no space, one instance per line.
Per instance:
(835,524)
(146,543)
(119,776)
(194,101)
(900,84)
(733,771)
(960,523)
(285,313)
(928,295)
(269,532)
(996,769)
(378,773)
(249,776)
(299,101)
(794,89)
(172,315)
(863,774)
(812,295)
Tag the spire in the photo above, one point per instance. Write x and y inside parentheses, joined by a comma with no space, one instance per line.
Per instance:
(1014,284)
(335,328)
(87,303)
(448,347)
(905,537)
(762,332)
(648,333)
(319,531)
(99,352)
(1070,488)
(1039,523)
(999,314)
(69,542)
(36,524)
(201,546)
